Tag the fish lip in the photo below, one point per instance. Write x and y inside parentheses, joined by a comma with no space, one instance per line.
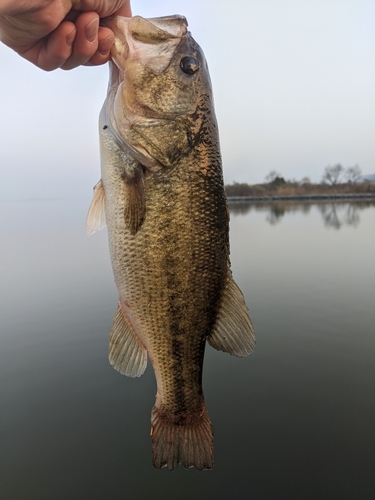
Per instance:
(160,23)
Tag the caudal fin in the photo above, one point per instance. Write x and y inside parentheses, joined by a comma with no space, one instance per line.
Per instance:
(189,442)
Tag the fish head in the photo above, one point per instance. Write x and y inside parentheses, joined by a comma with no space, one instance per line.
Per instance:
(159,85)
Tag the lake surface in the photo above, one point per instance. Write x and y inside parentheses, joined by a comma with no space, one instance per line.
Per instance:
(296,420)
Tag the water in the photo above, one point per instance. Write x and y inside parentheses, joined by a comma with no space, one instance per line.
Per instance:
(294,420)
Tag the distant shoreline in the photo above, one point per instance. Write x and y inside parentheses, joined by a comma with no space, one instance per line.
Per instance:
(304,197)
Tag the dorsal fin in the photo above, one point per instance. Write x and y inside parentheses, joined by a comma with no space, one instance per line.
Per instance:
(233,332)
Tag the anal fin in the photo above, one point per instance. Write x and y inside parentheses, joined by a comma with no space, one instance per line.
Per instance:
(95,220)
(233,332)
(126,352)
(135,200)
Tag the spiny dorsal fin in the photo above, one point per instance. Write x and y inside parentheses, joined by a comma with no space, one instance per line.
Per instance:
(233,332)
(95,220)
(135,200)
(126,352)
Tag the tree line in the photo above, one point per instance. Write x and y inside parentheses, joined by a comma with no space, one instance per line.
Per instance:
(336,179)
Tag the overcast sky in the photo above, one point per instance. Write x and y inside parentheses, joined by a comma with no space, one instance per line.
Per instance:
(294,86)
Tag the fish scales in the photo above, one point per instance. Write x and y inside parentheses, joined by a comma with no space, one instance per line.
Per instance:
(163,199)
(162,295)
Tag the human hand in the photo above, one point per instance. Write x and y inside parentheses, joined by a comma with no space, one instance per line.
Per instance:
(60,33)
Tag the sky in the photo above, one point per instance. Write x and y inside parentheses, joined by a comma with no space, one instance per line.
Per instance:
(294,88)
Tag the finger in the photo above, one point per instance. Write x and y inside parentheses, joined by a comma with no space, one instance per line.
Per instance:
(52,52)
(124,11)
(103,54)
(86,41)
(113,8)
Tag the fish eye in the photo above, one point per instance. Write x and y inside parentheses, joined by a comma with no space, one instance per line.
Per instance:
(189,65)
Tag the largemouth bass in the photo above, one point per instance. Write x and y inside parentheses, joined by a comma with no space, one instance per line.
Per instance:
(161,195)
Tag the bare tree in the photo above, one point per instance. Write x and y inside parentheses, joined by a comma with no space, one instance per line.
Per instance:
(332,174)
(272,176)
(353,173)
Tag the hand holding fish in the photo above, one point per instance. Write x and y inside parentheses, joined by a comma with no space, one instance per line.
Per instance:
(60,33)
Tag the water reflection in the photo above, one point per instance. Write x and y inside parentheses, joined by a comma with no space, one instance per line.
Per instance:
(332,218)
(293,421)
(335,214)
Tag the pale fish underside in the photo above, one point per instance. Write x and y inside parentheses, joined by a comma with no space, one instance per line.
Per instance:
(162,197)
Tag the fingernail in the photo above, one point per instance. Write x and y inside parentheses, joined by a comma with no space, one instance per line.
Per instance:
(105,45)
(91,30)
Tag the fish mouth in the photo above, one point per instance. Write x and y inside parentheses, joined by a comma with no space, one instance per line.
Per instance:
(152,30)
(150,41)
(139,38)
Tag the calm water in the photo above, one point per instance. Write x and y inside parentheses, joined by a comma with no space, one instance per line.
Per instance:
(294,420)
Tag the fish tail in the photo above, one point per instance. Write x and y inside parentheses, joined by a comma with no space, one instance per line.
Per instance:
(187,441)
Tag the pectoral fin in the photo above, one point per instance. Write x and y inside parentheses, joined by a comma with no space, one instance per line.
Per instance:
(233,332)
(95,220)
(126,352)
(135,200)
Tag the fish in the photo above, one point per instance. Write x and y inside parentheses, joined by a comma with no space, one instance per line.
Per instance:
(162,197)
